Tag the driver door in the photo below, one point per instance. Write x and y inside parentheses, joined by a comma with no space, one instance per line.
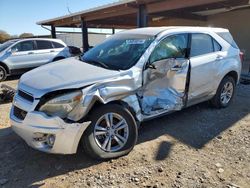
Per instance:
(165,76)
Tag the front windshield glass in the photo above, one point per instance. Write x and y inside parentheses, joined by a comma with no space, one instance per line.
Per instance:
(5,45)
(119,52)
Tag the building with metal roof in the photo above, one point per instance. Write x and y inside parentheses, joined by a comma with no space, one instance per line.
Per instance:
(127,14)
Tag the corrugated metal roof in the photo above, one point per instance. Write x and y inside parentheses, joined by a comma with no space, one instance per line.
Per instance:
(122,14)
(87,11)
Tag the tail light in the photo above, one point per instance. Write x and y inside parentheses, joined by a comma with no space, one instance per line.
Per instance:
(241,56)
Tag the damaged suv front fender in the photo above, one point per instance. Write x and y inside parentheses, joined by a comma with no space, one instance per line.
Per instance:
(122,88)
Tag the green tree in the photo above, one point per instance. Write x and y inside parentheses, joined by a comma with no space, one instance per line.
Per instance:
(4,36)
(26,35)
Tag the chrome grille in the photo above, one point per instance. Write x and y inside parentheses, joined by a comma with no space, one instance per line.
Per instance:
(19,113)
(26,96)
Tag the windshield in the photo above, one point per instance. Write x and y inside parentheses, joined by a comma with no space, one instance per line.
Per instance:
(119,52)
(5,45)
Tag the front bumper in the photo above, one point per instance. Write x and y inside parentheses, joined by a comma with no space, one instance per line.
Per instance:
(67,135)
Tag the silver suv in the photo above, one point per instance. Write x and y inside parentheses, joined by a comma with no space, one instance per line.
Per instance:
(101,98)
(18,56)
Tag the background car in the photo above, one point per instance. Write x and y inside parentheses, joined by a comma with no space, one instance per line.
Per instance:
(20,55)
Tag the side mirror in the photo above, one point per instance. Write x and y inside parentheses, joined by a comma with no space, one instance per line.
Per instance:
(8,52)
(150,66)
(156,63)
(13,50)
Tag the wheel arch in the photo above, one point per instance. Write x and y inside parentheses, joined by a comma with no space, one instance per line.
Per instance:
(5,66)
(98,103)
(232,74)
(58,58)
(216,100)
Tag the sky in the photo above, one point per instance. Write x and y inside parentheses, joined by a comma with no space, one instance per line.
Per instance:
(19,16)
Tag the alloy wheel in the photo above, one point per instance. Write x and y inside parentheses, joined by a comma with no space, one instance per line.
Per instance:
(111,132)
(227,93)
(2,73)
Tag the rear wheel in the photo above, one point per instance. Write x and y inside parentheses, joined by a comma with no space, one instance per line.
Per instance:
(111,134)
(3,73)
(225,93)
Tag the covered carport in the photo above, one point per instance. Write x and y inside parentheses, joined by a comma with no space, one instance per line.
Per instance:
(232,14)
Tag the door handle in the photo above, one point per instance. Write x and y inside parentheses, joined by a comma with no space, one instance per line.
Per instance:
(176,68)
(219,57)
(52,50)
(29,53)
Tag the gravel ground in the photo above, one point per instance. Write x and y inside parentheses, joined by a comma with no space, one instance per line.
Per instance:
(197,147)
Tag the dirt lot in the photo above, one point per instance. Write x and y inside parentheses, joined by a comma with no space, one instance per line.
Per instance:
(197,147)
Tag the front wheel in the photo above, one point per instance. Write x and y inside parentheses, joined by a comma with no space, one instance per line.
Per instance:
(112,132)
(3,73)
(225,93)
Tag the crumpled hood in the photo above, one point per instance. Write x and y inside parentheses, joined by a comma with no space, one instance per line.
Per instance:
(64,74)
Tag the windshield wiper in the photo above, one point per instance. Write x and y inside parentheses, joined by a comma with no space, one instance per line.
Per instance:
(98,63)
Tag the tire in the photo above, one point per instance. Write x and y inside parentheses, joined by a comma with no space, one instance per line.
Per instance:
(94,138)
(3,73)
(227,89)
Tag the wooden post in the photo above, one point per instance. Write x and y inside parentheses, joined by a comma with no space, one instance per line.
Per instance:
(142,16)
(85,39)
(53,32)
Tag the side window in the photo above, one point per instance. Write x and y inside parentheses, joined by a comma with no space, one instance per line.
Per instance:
(43,44)
(57,45)
(217,46)
(201,44)
(174,46)
(23,46)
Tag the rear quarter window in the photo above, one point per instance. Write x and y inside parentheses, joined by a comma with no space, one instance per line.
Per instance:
(57,45)
(228,37)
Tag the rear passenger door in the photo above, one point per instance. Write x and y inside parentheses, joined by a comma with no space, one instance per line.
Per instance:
(45,51)
(204,56)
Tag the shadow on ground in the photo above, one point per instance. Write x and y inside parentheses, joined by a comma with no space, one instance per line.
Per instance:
(194,126)
(197,125)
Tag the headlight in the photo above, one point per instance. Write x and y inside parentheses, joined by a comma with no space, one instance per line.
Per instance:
(62,105)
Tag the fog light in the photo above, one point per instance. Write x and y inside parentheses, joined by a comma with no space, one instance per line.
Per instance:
(51,140)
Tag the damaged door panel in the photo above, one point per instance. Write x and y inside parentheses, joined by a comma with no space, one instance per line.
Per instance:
(164,86)
(165,76)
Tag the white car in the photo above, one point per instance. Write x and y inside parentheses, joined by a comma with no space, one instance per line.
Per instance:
(133,76)
(19,55)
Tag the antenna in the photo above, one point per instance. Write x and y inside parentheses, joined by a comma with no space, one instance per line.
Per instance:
(68,9)
(69,13)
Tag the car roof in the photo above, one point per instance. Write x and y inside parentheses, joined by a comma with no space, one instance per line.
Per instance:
(13,40)
(50,39)
(45,39)
(153,31)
